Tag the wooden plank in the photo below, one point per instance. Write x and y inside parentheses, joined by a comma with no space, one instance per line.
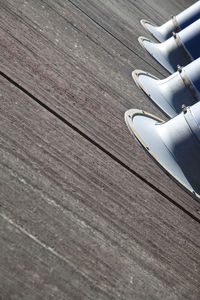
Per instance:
(29,270)
(65,60)
(121,18)
(77,225)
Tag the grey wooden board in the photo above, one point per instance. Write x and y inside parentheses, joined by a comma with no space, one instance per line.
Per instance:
(121,17)
(75,225)
(83,73)
(31,271)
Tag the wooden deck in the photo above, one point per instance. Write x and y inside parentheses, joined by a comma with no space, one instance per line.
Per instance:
(84,212)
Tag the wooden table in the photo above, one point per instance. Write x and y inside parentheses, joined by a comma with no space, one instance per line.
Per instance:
(84,212)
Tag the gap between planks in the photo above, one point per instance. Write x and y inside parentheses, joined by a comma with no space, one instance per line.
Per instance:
(99,146)
(112,35)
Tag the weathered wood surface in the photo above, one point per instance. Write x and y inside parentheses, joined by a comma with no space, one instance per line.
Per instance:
(103,234)
(84,74)
(84,213)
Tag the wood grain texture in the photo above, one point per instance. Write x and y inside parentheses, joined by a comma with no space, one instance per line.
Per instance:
(122,18)
(74,224)
(83,73)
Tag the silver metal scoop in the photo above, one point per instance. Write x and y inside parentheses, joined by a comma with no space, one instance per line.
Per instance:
(174,145)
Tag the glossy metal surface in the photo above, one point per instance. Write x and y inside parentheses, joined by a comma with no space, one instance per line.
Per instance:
(175,24)
(189,15)
(181,49)
(161,33)
(169,53)
(173,145)
(182,87)
(190,39)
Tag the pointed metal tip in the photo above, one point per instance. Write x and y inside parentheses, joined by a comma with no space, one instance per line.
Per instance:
(143,23)
(142,40)
(134,76)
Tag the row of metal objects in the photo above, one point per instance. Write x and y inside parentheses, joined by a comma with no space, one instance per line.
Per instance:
(175,144)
